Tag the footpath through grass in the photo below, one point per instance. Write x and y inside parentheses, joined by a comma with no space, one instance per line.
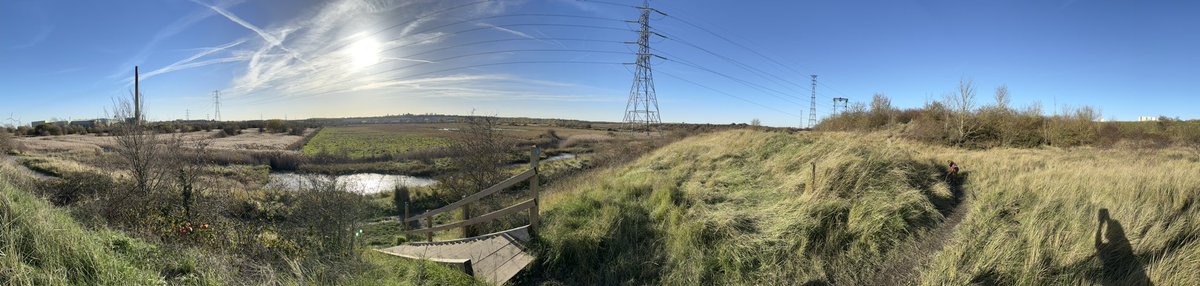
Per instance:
(1080,216)
(736,207)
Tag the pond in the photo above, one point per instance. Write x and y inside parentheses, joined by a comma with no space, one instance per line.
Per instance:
(363,183)
(562,156)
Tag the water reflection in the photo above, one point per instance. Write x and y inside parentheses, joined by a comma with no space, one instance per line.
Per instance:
(363,183)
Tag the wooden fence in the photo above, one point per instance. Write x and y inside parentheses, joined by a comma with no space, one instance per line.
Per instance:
(531,204)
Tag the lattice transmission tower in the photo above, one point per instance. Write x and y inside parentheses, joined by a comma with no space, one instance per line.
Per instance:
(641,112)
(845,102)
(217,105)
(812,109)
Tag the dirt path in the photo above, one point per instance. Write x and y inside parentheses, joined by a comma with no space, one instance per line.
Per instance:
(903,268)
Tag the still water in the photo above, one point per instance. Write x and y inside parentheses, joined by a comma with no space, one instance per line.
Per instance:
(363,183)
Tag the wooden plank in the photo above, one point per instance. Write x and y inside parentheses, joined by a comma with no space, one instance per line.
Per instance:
(479,219)
(509,269)
(481,194)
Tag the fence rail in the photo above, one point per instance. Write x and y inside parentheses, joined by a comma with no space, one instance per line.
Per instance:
(530,175)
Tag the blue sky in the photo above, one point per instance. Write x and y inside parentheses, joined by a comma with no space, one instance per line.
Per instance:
(562,58)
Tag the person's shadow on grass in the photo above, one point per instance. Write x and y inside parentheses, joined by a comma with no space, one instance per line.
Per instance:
(1119,265)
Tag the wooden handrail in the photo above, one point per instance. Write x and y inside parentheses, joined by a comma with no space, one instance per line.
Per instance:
(475,197)
(479,219)
(531,204)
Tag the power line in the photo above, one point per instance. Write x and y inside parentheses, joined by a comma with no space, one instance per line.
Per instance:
(765,89)
(728,94)
(280,99)
(478,29)
(458,57)
(434,28)
(745,66)
(752,50)
(731,60)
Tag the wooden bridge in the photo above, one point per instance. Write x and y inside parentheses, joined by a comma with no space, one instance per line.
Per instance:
(494,257)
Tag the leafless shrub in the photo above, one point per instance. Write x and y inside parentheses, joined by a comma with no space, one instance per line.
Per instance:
(480,151)
(141,151)
(7,143)
(583,139)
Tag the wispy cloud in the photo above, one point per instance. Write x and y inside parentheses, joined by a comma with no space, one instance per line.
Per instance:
(269,71)
(41,36)
(191,62)
(176,27)
(276,42)
(515,32)
(506,30)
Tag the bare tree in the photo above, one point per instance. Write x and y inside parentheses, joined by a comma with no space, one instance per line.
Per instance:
(1002,98)
(881,110)
(479,150)
(140,151)
(963,103)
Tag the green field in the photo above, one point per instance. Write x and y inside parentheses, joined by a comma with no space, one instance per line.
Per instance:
(365,141)
(381,140)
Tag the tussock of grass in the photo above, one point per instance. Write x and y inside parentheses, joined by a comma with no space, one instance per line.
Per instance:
(1035,218)
(735,208)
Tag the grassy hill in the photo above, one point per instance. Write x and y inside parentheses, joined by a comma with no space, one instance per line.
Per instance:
(737,207)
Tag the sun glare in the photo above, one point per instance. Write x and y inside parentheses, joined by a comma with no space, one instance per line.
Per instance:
(363,53)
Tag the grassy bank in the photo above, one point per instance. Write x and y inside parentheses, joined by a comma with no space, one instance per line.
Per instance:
(737,207)
(41,245)
(45,245)
(1037,220)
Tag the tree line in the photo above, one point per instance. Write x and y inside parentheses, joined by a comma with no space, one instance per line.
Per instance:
(961,119)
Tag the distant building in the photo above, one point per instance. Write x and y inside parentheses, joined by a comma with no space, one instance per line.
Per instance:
(36,123)
(1147,118)
(91,122)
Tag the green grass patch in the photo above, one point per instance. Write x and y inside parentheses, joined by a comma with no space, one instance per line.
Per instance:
(42,245)
(368,141)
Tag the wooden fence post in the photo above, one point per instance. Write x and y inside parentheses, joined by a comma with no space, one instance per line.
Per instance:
(466,215)
(812,180)
(429,224)
(405,198)
(534,156)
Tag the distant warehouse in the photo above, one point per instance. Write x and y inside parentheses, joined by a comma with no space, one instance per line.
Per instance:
(84,123)
(91,122)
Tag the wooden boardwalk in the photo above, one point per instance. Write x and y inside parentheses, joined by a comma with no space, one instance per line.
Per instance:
(494,258)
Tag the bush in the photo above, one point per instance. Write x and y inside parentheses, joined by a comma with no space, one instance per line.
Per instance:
(47,129)
(230,130)
(7,144)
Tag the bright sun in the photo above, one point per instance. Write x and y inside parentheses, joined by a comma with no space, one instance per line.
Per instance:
(363,53)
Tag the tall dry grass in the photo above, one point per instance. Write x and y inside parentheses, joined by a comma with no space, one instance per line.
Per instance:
(1036,218)
(736,207)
